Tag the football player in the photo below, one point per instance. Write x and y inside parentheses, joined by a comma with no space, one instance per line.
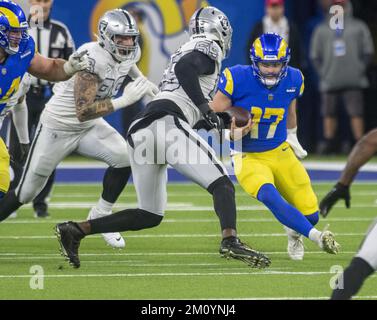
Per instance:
(365,261)
(189,82)
(17,56)
(72,120)
(265,163)
(16,105)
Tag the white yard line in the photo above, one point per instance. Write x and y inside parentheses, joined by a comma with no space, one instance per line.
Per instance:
(174,274)
(191,235)
(178,206)
(21,256)
(258,220)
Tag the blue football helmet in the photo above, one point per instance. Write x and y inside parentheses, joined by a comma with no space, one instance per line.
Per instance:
(270,48)
(13,19)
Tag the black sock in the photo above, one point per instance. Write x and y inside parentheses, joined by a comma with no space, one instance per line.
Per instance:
(353,279)
(224,201)
(114,181)
(126,220)
(9,204)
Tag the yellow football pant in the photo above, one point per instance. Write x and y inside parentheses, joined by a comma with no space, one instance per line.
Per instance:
(4,167)
(281,168)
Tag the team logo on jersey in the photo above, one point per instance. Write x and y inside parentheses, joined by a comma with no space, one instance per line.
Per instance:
(27,53)
(4,71)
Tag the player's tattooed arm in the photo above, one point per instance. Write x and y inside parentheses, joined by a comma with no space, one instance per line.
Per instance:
(85,88)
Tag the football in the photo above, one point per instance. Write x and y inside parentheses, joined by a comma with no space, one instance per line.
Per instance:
(241,115)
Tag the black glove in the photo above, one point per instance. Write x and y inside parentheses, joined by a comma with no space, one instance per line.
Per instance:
(24,152)
(339,191)
(210,117)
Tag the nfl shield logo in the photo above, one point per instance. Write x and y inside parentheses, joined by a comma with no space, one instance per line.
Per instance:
(270,97)
(4,71)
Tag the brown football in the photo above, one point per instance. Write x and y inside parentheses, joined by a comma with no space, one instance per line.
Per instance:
(242,115)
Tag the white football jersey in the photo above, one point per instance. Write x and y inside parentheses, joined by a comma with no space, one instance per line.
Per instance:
(60,111)
(21,91)
(172,90)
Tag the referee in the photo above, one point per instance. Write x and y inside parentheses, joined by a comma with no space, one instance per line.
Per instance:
(53,40)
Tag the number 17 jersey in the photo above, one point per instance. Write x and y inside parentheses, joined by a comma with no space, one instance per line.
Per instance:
(268,106)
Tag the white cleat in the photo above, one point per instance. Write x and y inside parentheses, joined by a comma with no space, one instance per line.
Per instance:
(327,242)
(113,239)
(295,244)
(13,215)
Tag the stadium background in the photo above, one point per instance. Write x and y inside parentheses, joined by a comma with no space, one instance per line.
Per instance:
(164,29)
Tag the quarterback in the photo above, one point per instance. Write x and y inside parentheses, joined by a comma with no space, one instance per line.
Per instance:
(17,56)
(72,120)
(265,163)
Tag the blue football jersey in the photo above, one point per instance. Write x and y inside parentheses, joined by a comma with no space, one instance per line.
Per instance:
(268,106)
(12,70)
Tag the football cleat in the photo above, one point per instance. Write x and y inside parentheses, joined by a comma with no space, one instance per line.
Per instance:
(232,247)
(113,239)
(339,191)
(295,244)
(69,236)
(327,242)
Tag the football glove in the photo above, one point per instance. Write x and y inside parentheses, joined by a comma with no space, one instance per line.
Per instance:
(339,191)
(132,93)
(152,90)
(210,117)
(77,61)
(299,151)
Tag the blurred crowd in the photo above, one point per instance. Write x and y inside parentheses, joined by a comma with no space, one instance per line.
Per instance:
(339,64)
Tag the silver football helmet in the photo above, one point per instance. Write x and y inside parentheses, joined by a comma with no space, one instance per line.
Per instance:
(114,23)
(214,24)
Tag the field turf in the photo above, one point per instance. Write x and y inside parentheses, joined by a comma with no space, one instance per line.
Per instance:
(179,259)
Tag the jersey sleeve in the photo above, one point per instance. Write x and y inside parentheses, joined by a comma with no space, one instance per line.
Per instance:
(97,64)
(226,83)
(301,85)
(209,48)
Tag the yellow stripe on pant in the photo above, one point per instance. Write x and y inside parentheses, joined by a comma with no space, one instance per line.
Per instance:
(281,168)
(4,167)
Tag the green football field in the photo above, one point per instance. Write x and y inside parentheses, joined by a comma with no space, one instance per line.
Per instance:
(178,259)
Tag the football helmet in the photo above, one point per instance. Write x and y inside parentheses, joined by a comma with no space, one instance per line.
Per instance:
(114,23)
(214,24)
(270,48)
(12,22)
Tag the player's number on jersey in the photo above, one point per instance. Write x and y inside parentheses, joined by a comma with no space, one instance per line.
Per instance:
(258,114)
(13,88)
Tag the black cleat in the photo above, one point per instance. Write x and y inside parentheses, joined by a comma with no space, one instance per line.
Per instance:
(232,247)
(41,214)
(69,236)
(339,191)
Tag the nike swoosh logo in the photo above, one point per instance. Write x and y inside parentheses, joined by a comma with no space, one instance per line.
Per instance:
(285,149)
(118,239)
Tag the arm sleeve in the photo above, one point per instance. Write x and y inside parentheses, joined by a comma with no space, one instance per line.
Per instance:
(226,83)
(188,69)
(301,85)
(20,120)
(367,41)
